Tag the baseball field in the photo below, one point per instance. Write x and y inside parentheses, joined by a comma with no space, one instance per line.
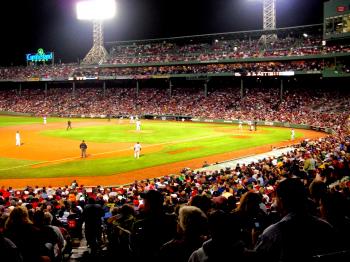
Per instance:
(50,155)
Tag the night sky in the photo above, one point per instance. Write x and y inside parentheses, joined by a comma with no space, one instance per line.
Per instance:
(51,24)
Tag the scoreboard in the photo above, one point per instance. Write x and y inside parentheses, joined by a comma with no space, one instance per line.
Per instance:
(336,19)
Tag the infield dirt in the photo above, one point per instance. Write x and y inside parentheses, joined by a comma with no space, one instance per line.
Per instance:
(50,149)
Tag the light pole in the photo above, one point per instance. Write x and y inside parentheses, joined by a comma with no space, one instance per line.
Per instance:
(96,11)
(269,20)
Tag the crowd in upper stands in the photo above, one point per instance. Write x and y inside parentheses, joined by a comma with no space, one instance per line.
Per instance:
(214,53)
(217,50)
(58,71)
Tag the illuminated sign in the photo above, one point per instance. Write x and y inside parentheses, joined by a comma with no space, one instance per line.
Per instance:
(41,56)
(341,9)
(285,73)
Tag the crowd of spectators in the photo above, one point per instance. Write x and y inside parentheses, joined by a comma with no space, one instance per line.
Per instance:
(65,72)
(219,49)
(58,71)
(322,107)
(266,209)
(239,68)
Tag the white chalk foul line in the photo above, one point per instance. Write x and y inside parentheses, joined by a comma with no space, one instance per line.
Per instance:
(114,151)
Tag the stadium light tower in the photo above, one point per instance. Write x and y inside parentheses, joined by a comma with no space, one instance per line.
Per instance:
(96,11)
(269,20)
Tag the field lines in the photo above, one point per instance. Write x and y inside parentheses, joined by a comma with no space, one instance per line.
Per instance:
(69,159)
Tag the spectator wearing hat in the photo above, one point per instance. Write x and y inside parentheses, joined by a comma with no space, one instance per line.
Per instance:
(153,229)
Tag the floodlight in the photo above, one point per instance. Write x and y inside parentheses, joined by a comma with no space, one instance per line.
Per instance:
(96,9)
(305,35)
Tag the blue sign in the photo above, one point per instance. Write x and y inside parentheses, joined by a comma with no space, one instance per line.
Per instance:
(41,56)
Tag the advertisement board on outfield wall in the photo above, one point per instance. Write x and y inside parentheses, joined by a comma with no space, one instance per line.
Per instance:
(267,123)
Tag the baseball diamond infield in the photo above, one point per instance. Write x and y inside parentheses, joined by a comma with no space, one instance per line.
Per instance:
(50,155)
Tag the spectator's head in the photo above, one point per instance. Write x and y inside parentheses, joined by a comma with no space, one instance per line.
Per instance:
(91,200)
(127,210)
(222,228)
(317,190)
(192,221)
(48,218)
(202,202)
(249,203)
(18,216)
(291,196)
(153,201)
(333,207)
(39,217)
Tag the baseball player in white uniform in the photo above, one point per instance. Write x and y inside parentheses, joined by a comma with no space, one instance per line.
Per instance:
(18,139)
(240,125)
(292,134)
(137,150)
(131,120)
(138,125)
(44,118)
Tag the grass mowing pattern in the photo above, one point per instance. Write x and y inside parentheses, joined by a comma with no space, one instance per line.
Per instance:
(151,133)
(208,139)
(6,163)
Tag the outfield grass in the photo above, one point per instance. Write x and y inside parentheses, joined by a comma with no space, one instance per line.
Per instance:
(152,132)
(180,141)
(19,120)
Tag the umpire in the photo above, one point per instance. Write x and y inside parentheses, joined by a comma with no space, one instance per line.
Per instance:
(83,148)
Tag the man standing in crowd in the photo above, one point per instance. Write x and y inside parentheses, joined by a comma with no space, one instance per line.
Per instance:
(155,228)
(137,150)
(309,164)
(92,216)
(18,139)
(83,148)
(69,125)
